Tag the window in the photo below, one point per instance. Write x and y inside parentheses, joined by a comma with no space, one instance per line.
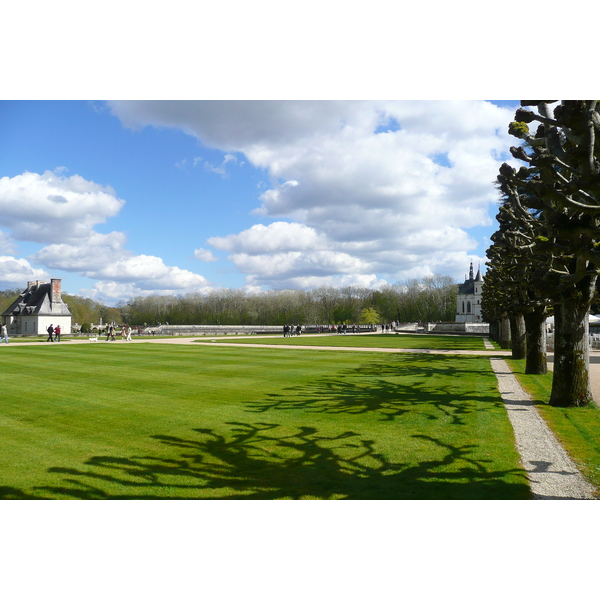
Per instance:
(468,306)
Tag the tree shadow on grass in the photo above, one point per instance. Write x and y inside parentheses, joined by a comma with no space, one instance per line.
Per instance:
(398,385)
(271,461)
(12,493)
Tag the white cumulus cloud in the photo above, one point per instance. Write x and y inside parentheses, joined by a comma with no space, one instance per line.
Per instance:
(204,255)
(61,212)
(49,208)
(15,271)
(389,187)
(276,237)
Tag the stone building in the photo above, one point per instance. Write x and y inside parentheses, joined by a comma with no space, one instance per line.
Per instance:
(468,300)
(36,308)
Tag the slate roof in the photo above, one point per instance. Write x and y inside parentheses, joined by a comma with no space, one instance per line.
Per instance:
(468,287)
(36,300)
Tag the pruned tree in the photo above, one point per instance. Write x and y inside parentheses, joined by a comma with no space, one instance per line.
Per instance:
(510,287)
(561,187)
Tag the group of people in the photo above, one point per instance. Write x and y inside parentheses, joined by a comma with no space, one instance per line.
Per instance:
(53,333)
(290,330)
(125,333)
(339,329)
(343,329)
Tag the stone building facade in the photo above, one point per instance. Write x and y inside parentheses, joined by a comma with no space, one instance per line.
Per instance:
(36,308)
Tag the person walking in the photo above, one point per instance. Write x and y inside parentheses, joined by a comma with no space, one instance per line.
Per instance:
(110,333)
(57,333)
(50,331)
(128,331)
(4,334)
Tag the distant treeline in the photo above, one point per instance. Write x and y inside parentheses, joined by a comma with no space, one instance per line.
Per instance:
(428,299)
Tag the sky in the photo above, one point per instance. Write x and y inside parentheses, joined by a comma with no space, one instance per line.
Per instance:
(132,198)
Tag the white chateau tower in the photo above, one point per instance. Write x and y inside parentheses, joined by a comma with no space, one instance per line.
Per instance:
(468,300)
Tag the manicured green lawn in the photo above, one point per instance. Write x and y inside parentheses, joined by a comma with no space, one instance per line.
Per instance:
(577,428)
(104,421)
(408,341)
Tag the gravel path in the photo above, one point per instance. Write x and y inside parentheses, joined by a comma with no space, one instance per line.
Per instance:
(552,475)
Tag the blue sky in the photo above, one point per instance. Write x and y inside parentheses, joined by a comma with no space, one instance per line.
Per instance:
(129,198)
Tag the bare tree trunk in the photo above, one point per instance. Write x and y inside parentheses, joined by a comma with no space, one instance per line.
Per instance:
(535,331)
(491,332)
(517,334)
(571,380)
(504,333)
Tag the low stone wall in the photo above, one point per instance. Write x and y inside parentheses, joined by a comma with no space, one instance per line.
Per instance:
(216,329)
(458,328)
(201,330)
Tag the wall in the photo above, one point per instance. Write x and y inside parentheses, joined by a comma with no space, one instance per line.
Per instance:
(481,328)
(230,329)
(45,321)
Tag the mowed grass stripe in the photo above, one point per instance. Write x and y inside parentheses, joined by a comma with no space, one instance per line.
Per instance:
(404,341)
(153,421)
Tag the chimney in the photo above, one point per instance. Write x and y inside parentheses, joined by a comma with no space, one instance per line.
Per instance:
(55,297)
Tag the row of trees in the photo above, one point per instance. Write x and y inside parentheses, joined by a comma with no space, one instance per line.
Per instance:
(428,299)
(545,256)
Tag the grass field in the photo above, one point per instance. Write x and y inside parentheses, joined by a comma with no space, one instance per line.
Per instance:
(105,421)
(407,341)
